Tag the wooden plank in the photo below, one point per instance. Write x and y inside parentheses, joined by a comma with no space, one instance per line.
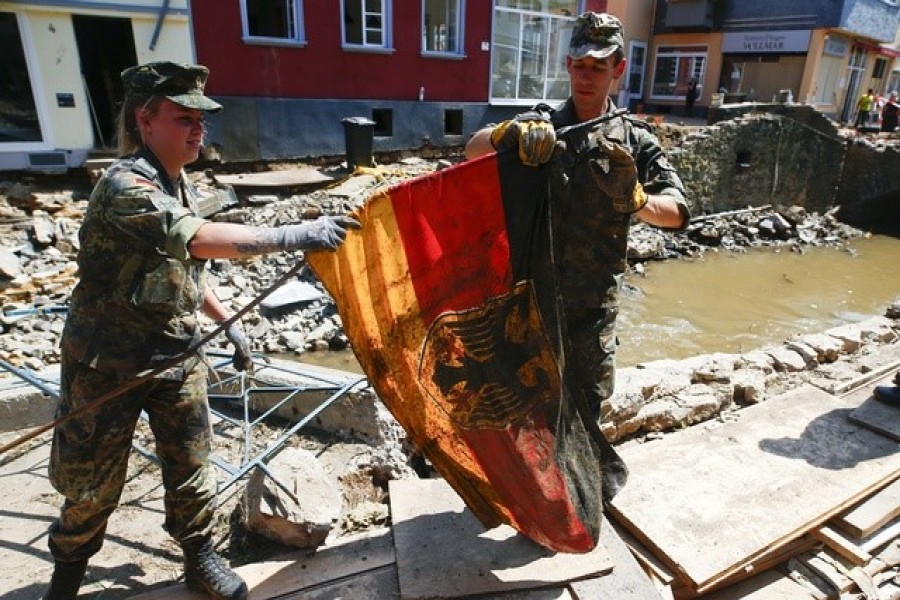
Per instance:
(645,558)
(841,545)
(627,581)
(281,178)
(747,487)
(767,560)
(878,416)
(874,512)
(354,557)
(825,568)
(768,585)
(881,537)
(444,552)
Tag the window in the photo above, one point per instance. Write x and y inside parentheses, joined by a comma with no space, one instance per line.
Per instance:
(280,21)
(366,23)
(18,112)
(675,67)
(453,121)
(529,50)
(442,26)
(384,122)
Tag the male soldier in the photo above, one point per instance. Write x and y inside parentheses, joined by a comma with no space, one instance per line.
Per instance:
(612,170)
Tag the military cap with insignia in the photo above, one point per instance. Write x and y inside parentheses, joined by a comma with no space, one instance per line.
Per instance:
(183,84)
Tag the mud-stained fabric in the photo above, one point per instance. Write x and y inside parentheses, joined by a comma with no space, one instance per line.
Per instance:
(448,296)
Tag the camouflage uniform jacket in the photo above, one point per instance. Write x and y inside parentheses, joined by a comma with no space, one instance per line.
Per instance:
(592,234)
(135,304)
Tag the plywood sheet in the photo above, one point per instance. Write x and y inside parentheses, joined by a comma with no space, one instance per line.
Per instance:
(627,579)
(282,178)
(708,500)
(443,551)
(352,562)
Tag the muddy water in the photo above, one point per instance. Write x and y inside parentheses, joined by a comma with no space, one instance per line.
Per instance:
(727,302)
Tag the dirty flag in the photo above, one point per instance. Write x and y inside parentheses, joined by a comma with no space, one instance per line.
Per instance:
(448,298)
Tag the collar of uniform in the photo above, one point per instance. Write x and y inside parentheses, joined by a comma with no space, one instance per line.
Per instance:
(169,186)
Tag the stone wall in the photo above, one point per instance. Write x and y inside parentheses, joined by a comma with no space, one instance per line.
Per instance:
(758,159)
(869,191)
(754,154)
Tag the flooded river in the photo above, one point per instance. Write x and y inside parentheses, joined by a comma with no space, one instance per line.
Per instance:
(729,302)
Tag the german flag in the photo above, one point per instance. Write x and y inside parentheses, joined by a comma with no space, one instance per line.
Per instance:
(448,297)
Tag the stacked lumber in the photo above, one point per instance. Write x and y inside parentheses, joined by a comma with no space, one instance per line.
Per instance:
(793,499)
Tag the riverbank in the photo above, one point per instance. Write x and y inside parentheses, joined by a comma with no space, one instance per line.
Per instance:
(652,399)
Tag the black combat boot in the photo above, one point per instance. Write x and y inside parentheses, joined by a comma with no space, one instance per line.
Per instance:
(206,571)
(66,580)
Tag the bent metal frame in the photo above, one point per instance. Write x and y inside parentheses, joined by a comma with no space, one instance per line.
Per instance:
(236,389)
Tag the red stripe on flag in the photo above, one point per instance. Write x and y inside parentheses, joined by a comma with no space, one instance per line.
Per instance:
(455,241)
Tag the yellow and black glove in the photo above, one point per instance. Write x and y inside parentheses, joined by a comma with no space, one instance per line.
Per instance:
(531,132)
(615,174)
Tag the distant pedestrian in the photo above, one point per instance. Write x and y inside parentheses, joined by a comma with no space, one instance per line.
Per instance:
(889,113)
(864,107)
(690,97)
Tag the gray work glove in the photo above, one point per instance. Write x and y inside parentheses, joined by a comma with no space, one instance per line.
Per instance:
(242,359)
(325,233)
(616,175)
(532,133)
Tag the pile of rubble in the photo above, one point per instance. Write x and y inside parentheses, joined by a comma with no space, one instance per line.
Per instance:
(38,244)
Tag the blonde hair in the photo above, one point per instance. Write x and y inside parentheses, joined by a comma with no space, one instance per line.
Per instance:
(128,129)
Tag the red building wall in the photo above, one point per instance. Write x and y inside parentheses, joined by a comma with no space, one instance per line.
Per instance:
(323,69)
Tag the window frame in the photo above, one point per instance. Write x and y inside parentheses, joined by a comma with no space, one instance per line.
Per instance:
(298,39)
(691,52)
(459,51)
(387,37)
(37,92)
(554,77)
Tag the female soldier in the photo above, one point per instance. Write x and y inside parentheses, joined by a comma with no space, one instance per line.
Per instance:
(142,280)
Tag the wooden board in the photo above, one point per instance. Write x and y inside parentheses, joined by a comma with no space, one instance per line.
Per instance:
(710,500)
(873,512)
(768,585)
(878,416)
(282,178)
(360,557)
(627,579)
(444,552)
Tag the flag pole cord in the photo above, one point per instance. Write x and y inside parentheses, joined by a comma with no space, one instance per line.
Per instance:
(147,376)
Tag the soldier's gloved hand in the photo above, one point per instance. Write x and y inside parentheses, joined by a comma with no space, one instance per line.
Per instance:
(531,132)
(325,233)
(242,359)
(615,174)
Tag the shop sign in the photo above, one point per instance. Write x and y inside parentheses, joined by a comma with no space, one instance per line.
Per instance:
(836,46)
(795,40)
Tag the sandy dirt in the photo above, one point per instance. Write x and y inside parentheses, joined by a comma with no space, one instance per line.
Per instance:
(138,555)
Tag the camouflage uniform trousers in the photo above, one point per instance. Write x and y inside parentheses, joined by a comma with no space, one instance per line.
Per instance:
(89,456)
(592,332)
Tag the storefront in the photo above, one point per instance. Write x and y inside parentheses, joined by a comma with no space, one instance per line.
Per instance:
(759,65)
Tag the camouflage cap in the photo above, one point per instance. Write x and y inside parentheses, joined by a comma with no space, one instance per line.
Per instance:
(182,84)
(597,35)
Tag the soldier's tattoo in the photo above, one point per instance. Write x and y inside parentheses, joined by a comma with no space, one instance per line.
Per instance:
(268,240)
